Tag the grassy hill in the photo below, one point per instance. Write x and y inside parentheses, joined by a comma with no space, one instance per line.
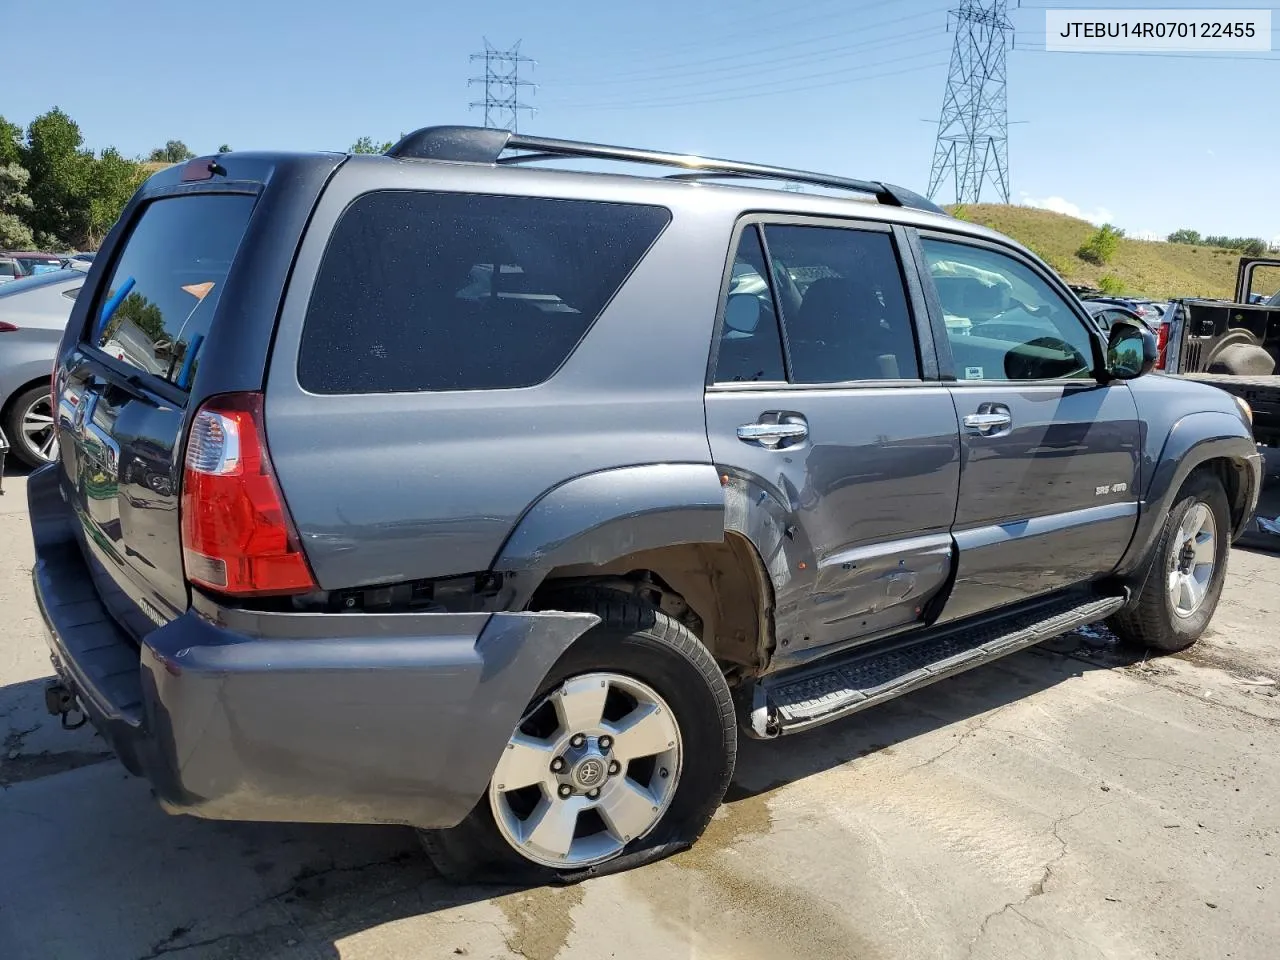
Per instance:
(1143,268)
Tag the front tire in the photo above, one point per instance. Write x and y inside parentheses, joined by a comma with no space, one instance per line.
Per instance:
(1188,568)
(621,758)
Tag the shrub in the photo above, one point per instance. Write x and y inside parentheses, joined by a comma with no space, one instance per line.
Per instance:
(1101,245)
(1185,236)
(1111,286)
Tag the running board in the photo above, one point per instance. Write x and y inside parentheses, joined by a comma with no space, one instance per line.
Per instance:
(807,697)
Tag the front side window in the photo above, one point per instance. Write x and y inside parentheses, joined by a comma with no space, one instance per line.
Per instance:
(166,283)
(1004,321)
(423,291)
(844,306)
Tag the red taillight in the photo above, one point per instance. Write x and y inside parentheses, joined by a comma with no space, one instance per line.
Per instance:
(1162,341)
(237,537)
(7,327)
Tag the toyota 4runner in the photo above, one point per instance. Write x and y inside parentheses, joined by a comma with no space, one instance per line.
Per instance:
(432,489)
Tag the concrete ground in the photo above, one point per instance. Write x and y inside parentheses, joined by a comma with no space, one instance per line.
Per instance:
(1071,801)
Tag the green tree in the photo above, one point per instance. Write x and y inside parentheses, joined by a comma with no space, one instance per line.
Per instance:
(15,206)
(1101,245)
(115,179)
(60,176)
(174,151)
(10,142)
(225,148)
(1254,247)
(1185,236)
(366,145)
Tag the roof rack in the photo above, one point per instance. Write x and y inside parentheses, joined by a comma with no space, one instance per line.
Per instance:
(487,145)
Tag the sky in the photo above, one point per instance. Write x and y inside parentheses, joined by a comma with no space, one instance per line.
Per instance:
(851,87)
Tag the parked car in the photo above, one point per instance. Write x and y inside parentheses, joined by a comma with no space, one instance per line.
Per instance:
(1107,313)
(437,490)
(1234,345)
(33,313)
(34,262)
(10,269)
(78,261)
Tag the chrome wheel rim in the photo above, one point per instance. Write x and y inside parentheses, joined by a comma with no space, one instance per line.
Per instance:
(590,768)
(36,426)
(1192,559)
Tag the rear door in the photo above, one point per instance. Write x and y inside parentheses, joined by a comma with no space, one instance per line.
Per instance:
(1050,477)
(123,396)
(837,442)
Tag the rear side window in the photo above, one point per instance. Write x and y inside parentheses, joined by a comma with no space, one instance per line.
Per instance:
(165,285)
(844,306)
(426,291)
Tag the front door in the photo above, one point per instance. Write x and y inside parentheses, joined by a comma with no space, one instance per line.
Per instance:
(1049,481)
(840,460)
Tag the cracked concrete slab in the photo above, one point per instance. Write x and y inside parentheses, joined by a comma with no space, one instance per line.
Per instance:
(1071,802)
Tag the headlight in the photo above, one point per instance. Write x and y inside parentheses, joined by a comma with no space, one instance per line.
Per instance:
(1245,409)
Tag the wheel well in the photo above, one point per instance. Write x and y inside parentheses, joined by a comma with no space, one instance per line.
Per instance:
(1231,475)
(19,391)
(720,590)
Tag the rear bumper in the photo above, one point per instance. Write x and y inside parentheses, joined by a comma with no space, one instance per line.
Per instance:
(345,718)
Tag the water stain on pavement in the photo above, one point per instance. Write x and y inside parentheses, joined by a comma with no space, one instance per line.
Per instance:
(724,897)
(540,920)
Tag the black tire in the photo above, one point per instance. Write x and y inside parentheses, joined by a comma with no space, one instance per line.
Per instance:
(1150,619)
(638,640)
(19,445)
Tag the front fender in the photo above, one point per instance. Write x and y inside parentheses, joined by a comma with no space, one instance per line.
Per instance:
(1193,440)
(602,516)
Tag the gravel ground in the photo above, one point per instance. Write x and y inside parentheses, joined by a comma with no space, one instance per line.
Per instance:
(1070,801)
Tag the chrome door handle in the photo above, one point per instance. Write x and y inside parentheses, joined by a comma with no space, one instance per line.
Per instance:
(981,422)
(771,434)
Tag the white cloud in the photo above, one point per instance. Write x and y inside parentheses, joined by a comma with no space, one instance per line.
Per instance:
(1064,206)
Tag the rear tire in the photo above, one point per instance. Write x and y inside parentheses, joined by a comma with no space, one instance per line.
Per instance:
(1188,568)
(31,440)
(639,645)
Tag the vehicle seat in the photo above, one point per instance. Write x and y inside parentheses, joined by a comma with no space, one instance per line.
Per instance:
(841,334)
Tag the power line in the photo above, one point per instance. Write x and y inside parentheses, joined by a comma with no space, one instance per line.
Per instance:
(769,90)
(701,65)
(771,24)
(502,85)
(778,74)
(972,147)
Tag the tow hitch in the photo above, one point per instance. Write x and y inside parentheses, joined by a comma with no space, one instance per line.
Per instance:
(62,703)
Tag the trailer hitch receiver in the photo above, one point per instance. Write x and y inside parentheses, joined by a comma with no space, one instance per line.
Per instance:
(62,703)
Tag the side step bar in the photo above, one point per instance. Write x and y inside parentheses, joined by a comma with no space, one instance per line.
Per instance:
(807,697)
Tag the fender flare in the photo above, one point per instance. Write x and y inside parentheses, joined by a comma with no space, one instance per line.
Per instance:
(599,517)
(1192,441)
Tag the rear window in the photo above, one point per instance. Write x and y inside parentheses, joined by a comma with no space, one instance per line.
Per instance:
(442,291)
(165,285)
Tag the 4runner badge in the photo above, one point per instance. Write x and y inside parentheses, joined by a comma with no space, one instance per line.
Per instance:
(1106,488)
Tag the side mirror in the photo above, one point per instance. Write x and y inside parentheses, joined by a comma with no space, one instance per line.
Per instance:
(742,312)
(1132,350)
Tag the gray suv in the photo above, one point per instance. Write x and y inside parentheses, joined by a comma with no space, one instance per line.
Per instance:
(432,489)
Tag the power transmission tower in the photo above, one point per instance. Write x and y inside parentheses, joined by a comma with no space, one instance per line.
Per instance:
(502,85)
(972,149)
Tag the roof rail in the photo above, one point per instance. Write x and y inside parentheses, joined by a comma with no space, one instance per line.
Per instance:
(487,145)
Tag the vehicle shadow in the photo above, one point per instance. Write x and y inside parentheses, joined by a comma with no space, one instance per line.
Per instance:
(219,889)
(764,766)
